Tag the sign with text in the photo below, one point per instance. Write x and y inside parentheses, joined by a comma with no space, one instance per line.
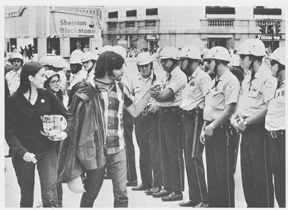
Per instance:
(70,25)
(265,37)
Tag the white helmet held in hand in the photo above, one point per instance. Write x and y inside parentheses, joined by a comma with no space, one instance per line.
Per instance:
(190,51)
(218,53)
(279,55)
(144,58)
(169,53)
(252,47)
(76,185)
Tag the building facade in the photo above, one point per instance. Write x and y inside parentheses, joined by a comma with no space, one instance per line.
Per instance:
(53,29)
(144,27)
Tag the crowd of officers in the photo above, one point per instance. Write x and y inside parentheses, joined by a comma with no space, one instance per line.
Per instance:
(190,111)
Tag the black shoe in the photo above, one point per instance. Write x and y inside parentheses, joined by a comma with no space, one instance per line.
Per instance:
(161,194)
(193,204)
(173,197)
(153,190)
(131,183)
(141,187)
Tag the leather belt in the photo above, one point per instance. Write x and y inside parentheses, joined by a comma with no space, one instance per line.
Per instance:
(169,109)
(275,134)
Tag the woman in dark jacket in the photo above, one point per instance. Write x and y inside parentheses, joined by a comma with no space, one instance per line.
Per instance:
(30,148)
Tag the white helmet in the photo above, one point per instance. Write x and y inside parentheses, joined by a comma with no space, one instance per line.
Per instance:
(218,53)
(88,56)
(76,185)
(190,51)
(120,50)
(58,62)
(75,59)
(168,52)
(252,47)
(46,60)
(16,55)
(279,55)
(77,53)
(144,58)
(105,48)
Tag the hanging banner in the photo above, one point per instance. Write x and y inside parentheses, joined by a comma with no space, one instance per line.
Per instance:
(69,25)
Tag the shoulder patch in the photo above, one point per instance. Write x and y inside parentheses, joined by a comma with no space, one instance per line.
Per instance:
(204,80)
(268,83)
(230,87)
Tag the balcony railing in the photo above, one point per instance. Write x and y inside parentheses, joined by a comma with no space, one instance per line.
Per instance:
(220,23)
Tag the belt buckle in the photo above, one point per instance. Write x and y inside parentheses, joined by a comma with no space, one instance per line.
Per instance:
(273,134)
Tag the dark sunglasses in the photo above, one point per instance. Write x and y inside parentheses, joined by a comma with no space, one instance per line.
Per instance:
(242,56)
(273,62)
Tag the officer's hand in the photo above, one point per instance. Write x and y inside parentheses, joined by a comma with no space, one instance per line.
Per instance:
(153,108)
(241,124)
(202,137)
(234,123)
(59,136)
(29,157)
(209,130)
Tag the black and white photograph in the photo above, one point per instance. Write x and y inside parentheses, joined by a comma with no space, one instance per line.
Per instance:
(144,104)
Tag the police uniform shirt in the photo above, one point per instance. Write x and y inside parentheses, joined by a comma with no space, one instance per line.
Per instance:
(176,83)
(13,80)
(224,93)
(256,93)
(275,118)
(195,90)
(139,86)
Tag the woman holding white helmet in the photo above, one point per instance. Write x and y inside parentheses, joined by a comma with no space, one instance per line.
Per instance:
(25,134)
(257,90)
(276,126)
(220,104)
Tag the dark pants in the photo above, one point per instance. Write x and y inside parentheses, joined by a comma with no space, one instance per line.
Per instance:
(116,166)
(146,130)
(47,170)
(59,184)
(255,167)
(220,176)
(194,166)
(277,160)
(171,150)
(130,151)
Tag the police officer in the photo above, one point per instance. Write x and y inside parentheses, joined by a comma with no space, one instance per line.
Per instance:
(220,104)
(194,92)
(170,98)
(257,90)
(275,126)
(13,76)
(146,127)
(89,62)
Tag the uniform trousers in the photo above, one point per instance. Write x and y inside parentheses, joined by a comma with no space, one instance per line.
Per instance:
(130,151)
(220,176)
(146,130)
(277,160)
(171,150)
(255,167)
(194,166)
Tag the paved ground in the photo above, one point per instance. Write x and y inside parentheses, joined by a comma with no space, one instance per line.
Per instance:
(105,198)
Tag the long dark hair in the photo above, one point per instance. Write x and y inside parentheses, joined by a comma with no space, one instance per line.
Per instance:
(29,68)
(107,62)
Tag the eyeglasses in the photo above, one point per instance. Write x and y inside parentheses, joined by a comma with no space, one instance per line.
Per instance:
(164,60)
(209,61)
(55,81)
(242,56)
(273,62)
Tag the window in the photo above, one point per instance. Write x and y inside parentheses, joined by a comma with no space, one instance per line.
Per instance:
(130,24)
(112,14)
(267,11)
(153,11)
(112,25)
(131,13)
(150,23)
(220,10)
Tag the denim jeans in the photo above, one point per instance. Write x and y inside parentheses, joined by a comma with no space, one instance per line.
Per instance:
(47,170)
(116,166)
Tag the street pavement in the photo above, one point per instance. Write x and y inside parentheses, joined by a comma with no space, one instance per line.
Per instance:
(137,199)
